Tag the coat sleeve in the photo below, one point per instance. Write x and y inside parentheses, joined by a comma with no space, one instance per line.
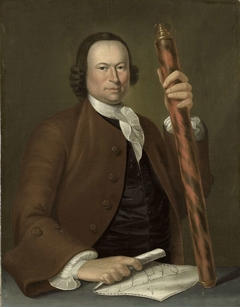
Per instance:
(202,152)
(42,246)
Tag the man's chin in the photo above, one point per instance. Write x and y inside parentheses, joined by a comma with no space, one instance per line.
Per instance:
(113,100)
(110,102)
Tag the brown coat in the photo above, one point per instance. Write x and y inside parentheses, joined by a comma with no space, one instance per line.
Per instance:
(71,185)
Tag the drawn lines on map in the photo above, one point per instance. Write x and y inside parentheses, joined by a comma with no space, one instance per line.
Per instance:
(156,281)
(152,272)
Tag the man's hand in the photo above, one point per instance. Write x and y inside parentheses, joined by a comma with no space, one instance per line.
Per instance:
(181,91)
(108,270)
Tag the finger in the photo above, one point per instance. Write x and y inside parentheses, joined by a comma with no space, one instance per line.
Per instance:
(121,268)
(107,279)
(179,87)
(137,264)
(180,95)
(185,103)
(175,75)
(115,275)
(130,262)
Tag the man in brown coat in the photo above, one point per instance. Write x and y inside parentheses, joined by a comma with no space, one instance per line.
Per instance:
(98,180)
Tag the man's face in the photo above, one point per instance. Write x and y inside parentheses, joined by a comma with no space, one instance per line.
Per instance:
(108,75)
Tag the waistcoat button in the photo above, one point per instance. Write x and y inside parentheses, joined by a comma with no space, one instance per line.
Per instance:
(113,177)
(55,225)
(36,231)
(116,150)
(93,228)
(107,205)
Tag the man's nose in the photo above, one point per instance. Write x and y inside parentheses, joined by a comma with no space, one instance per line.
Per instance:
(113,77)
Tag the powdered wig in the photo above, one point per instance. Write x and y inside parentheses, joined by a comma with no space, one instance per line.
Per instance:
(78,71)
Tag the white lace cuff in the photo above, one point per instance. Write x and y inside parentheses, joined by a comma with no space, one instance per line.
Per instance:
(197,125)
(66,279)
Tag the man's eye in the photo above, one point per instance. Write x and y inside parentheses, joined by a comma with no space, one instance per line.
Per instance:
(120,68)
(102,68)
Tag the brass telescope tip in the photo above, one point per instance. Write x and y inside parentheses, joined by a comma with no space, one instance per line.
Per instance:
(162,33)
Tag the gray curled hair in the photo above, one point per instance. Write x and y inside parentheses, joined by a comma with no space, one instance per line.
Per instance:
(78,71)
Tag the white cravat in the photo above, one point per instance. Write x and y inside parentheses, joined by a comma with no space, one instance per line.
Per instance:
(128,120)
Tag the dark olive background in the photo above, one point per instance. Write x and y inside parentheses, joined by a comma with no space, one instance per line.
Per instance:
(39,43)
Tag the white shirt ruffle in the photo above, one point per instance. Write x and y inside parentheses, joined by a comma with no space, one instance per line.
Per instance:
(67,278)
(197,125)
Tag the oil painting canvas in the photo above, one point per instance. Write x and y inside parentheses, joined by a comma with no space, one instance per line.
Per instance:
(90,174)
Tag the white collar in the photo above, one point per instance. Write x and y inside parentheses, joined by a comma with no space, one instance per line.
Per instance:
(104,108)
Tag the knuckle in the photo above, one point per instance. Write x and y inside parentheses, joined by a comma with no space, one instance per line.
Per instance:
(112,271)
(120,267)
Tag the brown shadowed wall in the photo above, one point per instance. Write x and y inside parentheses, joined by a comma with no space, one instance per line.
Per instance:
(39,43)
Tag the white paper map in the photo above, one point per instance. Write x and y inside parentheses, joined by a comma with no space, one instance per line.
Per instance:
(156,281)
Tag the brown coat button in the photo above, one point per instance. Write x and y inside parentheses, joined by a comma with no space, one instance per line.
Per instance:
(93,228)
(55,225)
(107,205)
(36,231)
(116,150)
(113,177)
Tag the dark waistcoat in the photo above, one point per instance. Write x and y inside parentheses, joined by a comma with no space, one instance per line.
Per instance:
(142,220)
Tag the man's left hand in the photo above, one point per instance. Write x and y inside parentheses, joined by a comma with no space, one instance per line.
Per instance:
(179,91)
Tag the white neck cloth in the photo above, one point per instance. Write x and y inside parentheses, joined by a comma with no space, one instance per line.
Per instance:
(128,120)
